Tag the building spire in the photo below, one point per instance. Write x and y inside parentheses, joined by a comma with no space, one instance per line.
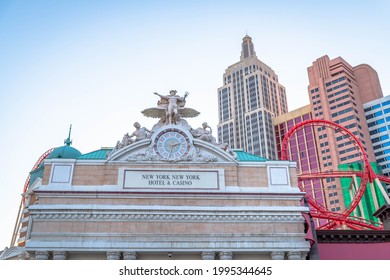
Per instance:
(67,141)
(247,48)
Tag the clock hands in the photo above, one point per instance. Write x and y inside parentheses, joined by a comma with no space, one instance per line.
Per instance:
(171,146)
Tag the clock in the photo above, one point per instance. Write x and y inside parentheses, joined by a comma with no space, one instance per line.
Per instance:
(172,144)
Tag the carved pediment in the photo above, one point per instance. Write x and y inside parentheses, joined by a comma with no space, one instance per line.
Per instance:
(198,151)
(15,252)
(171,139)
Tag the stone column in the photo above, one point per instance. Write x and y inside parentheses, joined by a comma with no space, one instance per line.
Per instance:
(277,255)
(226,255)
(113,255)
(130,255)
(41,255)
(59,255)
(208,255)
(294,255)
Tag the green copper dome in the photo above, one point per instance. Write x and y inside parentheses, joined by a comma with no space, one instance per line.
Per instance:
(65,151)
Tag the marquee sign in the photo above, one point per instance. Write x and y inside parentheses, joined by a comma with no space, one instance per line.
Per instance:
(171,179)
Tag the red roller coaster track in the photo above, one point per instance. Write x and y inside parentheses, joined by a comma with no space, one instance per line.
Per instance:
(25,187)
(335,219)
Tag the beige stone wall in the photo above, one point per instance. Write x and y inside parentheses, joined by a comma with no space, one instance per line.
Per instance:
(93,175)
(98,175)
(252,177)
(293,177)
(188,200)
(46,174)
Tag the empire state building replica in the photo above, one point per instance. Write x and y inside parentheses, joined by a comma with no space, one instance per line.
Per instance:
(248,100)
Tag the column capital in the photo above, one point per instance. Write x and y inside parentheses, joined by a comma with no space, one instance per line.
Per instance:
(59,255)
(41,255)
(113,255)
(130,255)
(226,255)
(208,255)
(294,255)
(277,255)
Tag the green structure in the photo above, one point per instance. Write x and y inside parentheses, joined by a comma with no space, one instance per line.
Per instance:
(371,200)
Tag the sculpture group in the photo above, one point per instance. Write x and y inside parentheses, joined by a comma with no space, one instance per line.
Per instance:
(170,110)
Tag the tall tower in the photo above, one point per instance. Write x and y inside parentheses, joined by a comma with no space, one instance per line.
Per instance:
(303,149)
(378,121)
(336,92)
(248,100)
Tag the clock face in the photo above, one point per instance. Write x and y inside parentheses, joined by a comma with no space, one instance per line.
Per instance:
(171,144)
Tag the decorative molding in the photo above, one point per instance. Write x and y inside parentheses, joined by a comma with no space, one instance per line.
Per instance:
(219,237)
(231,192)
(10,253)
(124,209)
(107,241)
(142,151)
(117,154)
(161,216)
(149,154)
(353,236)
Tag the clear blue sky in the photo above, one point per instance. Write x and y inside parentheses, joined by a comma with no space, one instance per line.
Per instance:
(95,64)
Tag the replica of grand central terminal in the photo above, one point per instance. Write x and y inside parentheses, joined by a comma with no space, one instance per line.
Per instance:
(168,192)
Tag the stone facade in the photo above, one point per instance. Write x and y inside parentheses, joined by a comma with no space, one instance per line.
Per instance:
(96,214)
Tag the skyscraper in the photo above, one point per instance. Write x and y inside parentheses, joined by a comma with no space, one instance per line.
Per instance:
(336,93)
(248,100)
(378,121)
(303,149)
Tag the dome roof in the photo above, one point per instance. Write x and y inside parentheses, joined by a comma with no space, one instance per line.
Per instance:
(64,152)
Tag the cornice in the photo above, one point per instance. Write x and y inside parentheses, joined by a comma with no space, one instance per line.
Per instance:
(164,215)
(353,236)
(95,242)
(115,192)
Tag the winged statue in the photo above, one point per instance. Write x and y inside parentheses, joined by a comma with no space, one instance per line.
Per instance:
(171,108)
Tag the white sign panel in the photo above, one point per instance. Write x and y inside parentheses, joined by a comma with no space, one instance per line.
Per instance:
(171,179)
(61,174)
(278,176)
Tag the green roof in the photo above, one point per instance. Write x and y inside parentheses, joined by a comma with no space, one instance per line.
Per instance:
(103,152)
(64,152)
(98,154)
(244,156)
(36,173)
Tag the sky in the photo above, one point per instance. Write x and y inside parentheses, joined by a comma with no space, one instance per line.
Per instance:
(95,65)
